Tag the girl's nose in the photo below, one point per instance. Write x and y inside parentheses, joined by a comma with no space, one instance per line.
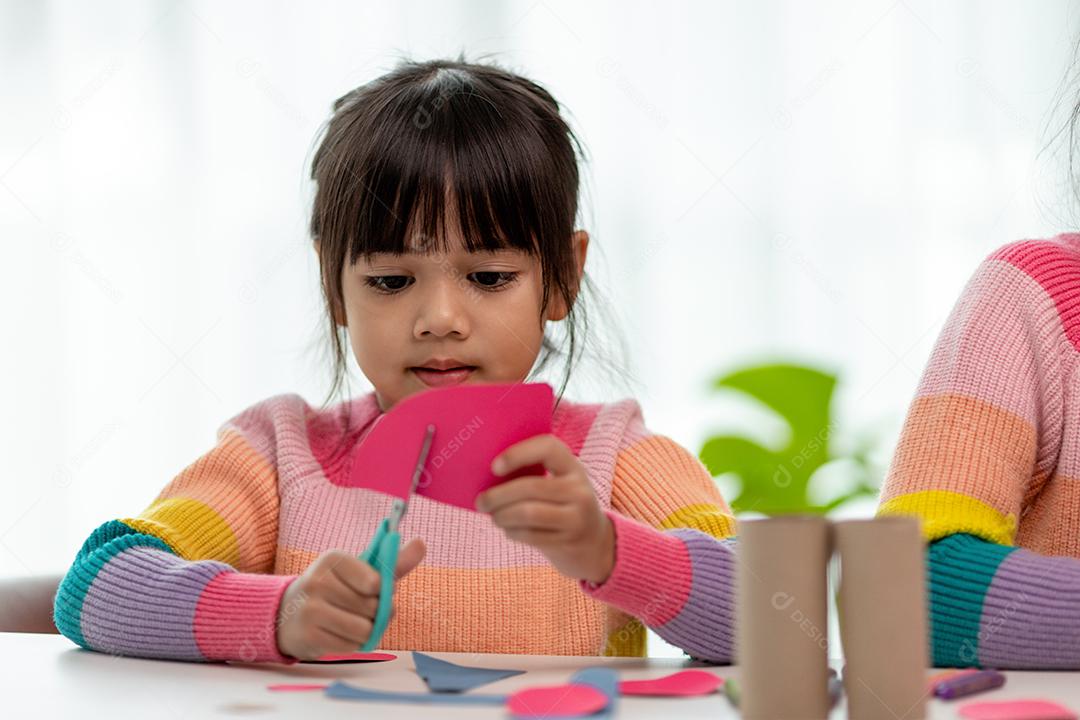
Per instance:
(442,311)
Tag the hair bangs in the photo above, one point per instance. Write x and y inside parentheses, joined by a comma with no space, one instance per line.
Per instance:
(443,158)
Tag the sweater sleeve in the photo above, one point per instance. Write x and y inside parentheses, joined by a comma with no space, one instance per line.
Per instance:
(187,578)
(981,438)
(674,546)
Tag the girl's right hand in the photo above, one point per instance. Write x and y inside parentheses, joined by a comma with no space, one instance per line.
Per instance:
(330,608)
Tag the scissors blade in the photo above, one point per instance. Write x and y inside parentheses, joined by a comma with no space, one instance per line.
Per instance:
(401,505)
(421,460)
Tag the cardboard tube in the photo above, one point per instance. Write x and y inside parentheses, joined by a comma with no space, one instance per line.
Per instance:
(882,609)
(782,636)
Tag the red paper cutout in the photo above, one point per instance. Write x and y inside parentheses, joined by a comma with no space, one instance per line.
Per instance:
(473,424)
(553,701)
(685,683)
(1017,710)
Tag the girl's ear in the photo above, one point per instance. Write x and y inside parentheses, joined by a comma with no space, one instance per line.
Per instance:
(558,309)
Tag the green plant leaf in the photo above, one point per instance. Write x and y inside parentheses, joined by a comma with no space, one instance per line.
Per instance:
(727,453)
(800,395)
(776,482)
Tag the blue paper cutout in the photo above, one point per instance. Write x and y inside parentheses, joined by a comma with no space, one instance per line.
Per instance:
(447,677)
(604,679)
(344,691)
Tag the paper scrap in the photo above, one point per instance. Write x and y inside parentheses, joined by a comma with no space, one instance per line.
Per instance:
(443,676)
(343,691)
(604,679)
(1016,710)
(556,701)
(684,683)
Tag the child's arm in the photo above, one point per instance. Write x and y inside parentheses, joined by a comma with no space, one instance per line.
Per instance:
(674,546)
(984,434)
(185,578)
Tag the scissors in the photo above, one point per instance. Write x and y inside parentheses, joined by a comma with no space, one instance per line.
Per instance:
(382,553)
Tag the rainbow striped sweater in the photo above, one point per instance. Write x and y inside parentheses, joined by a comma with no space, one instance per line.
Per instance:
(989,459)
(199,574)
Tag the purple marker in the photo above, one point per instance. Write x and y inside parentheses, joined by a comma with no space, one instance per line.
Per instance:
(968,684)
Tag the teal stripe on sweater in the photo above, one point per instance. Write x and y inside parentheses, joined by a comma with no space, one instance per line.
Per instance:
(105,543)
(961,569)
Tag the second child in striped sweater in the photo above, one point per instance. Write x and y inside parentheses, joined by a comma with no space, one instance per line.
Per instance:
(444,221)
(989,460)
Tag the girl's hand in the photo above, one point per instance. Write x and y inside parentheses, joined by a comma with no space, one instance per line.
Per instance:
(558,513)
(330,609)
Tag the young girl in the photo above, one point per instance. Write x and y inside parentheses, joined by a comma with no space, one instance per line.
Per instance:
(444,224)
(989,459)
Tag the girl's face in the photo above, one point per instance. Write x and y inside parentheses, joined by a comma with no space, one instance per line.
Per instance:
(479,310)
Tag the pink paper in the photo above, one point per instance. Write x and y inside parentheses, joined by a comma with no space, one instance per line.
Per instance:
(552,701)
(354,657)
(684,683)
(286,687)
(1017,710)
(473,424)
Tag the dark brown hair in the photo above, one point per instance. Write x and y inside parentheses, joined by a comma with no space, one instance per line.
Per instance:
(399,149)
(1060,201)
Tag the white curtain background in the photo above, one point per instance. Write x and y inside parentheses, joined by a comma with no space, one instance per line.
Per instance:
(767,180)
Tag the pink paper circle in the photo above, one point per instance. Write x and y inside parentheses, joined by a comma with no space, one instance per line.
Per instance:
(287,687)
(684,683)
(551,701)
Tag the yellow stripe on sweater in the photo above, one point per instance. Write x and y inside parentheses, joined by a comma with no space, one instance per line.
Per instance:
(706,517)
(946,513)
(191,528)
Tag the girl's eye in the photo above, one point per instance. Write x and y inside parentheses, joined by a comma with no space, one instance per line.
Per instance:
(387,283)
(493,279)
(488,280)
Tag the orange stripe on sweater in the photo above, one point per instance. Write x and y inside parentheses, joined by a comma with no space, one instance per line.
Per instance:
(531,610)
(963,445)
(240,486)
(660,483)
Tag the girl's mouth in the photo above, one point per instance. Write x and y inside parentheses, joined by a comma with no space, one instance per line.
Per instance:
(443,378)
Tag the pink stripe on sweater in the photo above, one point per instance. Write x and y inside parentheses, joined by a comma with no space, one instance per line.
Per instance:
(1003,326)
(641,554)
(277,429)
(573,427)
(602,446)
(236,617)
(455,537)
(1055,265)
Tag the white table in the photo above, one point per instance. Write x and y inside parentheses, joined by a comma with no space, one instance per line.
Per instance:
(46,676)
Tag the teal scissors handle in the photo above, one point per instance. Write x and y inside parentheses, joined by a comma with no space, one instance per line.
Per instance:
(382,555)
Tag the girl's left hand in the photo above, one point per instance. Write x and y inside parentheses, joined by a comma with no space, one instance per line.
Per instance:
(558,513)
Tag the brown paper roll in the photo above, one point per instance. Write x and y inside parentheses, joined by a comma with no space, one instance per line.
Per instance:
(882,609)
(782,636)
